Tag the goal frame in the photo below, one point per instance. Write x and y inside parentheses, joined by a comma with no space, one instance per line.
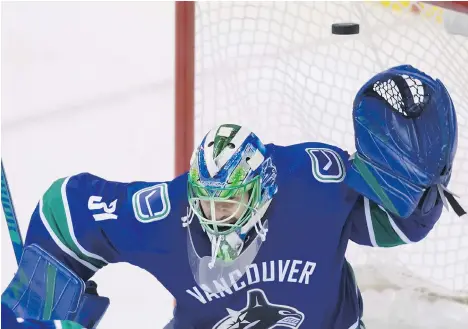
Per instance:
(185,66)
(185,77)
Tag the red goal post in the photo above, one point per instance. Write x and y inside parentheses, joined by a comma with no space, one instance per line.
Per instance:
(277,68)
(184,83)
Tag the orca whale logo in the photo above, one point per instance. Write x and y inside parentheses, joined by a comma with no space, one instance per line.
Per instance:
(261,314)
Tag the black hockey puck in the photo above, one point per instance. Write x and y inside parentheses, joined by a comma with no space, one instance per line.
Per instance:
(345,28)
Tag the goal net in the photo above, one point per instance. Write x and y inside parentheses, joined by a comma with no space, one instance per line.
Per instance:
(276,68)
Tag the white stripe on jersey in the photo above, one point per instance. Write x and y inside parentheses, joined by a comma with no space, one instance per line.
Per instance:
(370,227)
(70,223)
(59,243)
(396,228)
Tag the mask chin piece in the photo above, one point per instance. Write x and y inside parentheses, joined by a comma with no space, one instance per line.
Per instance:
(215,274)
(228,247)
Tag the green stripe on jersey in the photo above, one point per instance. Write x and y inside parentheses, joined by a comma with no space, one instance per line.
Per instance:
(54,211)
(385,235)
(373,183)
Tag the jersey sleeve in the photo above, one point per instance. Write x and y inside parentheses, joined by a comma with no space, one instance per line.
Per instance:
(87,222)
(373,226)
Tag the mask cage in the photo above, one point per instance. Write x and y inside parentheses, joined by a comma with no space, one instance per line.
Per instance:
(197,193)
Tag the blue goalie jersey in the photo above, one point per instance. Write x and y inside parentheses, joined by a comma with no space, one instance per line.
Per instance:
(299,278)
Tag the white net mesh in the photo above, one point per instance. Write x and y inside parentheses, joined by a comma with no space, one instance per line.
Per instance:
(276,68)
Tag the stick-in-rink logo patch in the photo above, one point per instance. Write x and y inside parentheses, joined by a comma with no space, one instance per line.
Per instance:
(151,203)
(327,165)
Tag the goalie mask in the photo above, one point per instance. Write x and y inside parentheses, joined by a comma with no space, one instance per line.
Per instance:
(231,183)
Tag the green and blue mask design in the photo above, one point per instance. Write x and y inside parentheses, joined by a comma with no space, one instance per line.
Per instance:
(230,169)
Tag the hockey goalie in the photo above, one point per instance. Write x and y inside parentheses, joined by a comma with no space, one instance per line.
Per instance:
(252,236)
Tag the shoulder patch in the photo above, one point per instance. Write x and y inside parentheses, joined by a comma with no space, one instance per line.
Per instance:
(327,165)
(151,203)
